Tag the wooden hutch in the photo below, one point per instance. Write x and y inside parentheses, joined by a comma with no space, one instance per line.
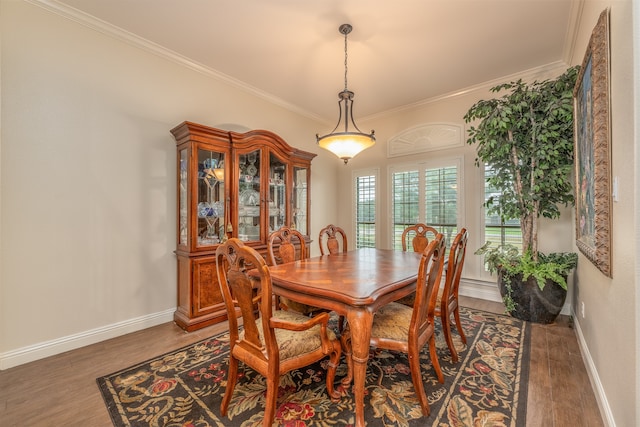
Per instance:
(230,184)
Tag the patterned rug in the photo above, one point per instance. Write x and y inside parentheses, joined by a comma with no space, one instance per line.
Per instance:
(487,387)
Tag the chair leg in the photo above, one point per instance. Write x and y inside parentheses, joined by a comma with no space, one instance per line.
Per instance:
(345,340)
(456,315)
(434,359)
(341,321)
(232,377)
(270,402)
(334,361)
(416,377)
(445,318)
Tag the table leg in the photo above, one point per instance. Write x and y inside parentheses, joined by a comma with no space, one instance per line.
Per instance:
(360,322)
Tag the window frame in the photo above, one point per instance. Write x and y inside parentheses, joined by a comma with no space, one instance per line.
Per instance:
(375,172)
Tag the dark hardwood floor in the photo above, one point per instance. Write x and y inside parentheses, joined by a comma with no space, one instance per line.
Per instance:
(560,393)
(62,391)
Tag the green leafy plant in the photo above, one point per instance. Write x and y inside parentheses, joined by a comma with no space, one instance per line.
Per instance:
(509,304)
(526,137)
(506,258)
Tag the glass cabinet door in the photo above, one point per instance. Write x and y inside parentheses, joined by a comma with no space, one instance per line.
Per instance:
(277,194)
(183,184)
(211,201)
(300,199)
(249,196)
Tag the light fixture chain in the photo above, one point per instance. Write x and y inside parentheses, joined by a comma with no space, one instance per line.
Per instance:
(345,60)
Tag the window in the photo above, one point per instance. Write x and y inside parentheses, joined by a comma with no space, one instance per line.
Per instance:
(426,193)
(496,230)
(441,198)
(406,203)
(365,199)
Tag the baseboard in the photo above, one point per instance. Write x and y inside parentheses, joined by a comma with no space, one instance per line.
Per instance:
(479,289)
(82,339)
(592,372)
(489,291)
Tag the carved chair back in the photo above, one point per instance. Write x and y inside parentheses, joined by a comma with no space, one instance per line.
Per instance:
(448,298)
(272,342)
(243,294)
(429,275)
(329,242)
(285,245)
(419,236)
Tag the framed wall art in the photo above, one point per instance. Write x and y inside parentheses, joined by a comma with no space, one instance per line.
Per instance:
(592,134)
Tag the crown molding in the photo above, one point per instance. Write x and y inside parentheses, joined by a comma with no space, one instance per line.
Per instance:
(577,6)
(120,34)
(527,75)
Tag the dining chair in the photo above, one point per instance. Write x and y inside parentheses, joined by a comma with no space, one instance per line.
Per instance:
(332,245)
(286,245)
(447,303)
(398,327)
(272,342)
(417,238)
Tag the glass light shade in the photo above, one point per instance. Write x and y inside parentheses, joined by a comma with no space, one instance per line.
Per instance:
(346,145)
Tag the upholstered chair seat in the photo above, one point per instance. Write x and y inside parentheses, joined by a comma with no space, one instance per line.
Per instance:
(392,322)
(294,344)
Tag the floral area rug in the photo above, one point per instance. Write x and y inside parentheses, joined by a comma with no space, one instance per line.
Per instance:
(487,387)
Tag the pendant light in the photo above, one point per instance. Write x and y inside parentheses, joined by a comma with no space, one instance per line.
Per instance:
(346,140)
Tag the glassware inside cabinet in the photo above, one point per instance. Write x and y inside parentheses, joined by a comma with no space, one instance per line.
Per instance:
(211,200)
(183,228)
(300,199)
(249,197)
(277,194)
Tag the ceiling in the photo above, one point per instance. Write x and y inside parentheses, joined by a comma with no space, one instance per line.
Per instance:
(399,53)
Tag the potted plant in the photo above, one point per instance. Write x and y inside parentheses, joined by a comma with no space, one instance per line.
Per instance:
(526,137)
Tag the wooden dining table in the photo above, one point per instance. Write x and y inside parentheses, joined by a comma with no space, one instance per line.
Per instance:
(354,284)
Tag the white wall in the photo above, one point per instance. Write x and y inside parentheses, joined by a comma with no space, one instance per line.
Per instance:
(609,329)
(636,156)
(87,177)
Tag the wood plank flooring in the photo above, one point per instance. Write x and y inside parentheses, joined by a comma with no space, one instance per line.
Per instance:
(62,391)
(559,394)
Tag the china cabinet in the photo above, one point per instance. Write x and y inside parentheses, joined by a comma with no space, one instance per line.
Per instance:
(230,184)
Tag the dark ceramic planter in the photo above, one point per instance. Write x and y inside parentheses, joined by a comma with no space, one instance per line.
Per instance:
(532,304)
